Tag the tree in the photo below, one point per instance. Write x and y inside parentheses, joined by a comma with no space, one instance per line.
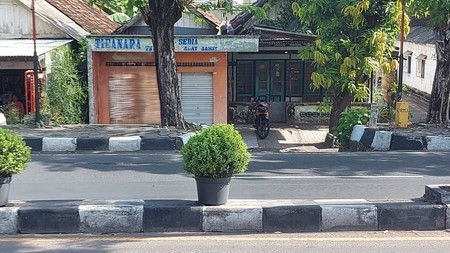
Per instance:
(161,16)
(285,19)
(355,38)
(438,14)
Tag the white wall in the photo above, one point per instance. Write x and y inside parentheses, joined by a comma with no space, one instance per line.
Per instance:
(423,84)
(16,22)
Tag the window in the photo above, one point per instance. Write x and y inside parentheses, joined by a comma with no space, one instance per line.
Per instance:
(407,61)
(420,65)
(294,78)
(244,80)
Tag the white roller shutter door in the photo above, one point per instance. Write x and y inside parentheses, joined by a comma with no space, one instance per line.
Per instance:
(197,97)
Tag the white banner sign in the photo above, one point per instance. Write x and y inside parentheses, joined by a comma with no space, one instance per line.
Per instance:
(182,44)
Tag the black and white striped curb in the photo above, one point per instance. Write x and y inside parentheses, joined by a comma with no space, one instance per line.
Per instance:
(118,144)
(115,144)
(136,216)
(367,139)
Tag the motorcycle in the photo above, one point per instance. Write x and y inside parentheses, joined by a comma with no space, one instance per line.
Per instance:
(262,125)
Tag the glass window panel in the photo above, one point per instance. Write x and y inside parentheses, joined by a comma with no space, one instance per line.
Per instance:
(244,78)
(262,77)
(294,76)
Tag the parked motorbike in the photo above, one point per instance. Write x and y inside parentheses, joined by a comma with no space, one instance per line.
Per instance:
(262,125)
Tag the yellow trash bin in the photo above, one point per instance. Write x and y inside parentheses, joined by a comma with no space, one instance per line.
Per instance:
(402,114)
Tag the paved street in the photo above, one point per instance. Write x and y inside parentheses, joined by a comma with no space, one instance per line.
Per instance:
(375,175)
(383,241)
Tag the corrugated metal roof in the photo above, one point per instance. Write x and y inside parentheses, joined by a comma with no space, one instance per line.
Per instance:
(23,47)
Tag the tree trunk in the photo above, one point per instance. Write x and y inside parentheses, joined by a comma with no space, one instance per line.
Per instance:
(161,16)
(439,101)
(341,101)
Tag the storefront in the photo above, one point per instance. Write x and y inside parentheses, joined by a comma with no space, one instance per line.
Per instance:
(275,73)
(122,78)
(16,68)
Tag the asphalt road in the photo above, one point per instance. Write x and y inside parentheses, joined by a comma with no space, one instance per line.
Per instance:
(386,242)
(373,175)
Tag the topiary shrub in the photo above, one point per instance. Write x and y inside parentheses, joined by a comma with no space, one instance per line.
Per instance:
(217,151)
(14,153)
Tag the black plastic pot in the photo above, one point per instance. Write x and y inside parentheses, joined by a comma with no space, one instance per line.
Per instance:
(4,190)
(213,191)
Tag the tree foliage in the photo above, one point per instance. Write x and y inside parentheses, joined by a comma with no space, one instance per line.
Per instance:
(285,19)
(120,10)
(355,38)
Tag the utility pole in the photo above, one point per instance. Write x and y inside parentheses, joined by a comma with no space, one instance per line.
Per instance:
(402,38)
(35,66)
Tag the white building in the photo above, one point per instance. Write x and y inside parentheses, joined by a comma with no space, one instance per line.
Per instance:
(419,63)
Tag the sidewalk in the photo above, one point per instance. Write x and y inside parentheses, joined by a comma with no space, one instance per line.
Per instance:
(282,138)
(299,137)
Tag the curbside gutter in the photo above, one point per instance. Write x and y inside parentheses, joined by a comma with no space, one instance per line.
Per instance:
(137,216)
(373,139)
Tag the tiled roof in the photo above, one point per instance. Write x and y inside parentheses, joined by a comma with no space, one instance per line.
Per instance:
(209,17)
(421,35)
(243,22)
(91,18)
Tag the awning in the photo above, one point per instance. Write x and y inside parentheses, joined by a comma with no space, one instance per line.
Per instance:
(25,47)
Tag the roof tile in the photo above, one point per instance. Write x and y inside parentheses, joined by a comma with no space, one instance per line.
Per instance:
(91,18)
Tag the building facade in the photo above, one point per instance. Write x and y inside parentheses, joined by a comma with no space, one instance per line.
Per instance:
(122,80)
(59,23)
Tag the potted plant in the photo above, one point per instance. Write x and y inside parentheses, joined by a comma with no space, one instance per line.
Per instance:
(14,155)
(213,156)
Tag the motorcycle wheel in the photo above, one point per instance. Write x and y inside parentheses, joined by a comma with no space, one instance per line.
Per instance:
(262,128)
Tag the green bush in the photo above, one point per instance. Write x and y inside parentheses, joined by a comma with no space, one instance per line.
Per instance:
(12,115)
(65,96)
(348,119)
(217,151)
(386,114)
(14,153)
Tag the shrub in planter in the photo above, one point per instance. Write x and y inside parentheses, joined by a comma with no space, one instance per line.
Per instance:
(14,155)
(216,152)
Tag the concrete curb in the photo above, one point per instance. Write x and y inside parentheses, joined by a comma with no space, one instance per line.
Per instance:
(136,216)
(372,139)
(117,144)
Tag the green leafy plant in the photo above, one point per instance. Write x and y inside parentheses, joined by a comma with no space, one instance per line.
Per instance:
(324,107)
(348,119)
(217,151)
(66,91)
(386,114)
(12,115)
(14,153)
